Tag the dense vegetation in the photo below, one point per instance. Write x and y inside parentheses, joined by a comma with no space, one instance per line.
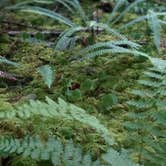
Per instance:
(82,83)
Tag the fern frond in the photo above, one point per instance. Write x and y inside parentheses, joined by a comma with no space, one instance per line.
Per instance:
(110,44)
(143,93)
(140,104)
(139,19)
(115,49)
(153,75)
(118,4)
(8,62)
(76,5)
(58,110)
(126,10)
(149,83)
(64,39)
(109,30)
(149,118)
(52,150)
(118,159)
(48,13)
(155,27)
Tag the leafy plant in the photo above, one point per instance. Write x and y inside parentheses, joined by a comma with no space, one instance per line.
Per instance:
(155,23)
(146,124)
(68,38)
(47,73)
(117,15)
(52,148)
(60,109)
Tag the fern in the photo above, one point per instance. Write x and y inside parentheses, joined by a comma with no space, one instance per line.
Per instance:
(52,150)
(46,12)
(61,110)
(146,124)
(112,47)
(63,41)
(118,159)
(132,5)
(155,24)
(55,151)
(118,4)
(8,62)
(47,73)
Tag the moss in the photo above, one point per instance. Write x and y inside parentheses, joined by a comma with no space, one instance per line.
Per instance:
(5,106)
(22,161)
(4,49)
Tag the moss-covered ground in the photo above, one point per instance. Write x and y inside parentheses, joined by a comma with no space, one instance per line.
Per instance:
(101,86)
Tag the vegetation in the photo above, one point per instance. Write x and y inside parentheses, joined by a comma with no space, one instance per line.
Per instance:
(110,108)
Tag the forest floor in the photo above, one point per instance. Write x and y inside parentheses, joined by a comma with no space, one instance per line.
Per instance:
(101,86)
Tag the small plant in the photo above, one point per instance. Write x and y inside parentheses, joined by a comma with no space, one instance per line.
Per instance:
(47,74)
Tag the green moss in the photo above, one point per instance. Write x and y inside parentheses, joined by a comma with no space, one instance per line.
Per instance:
(4,49)
(21,161)
(5,106)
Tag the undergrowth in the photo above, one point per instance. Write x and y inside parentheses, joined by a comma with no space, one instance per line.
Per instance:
(79,52)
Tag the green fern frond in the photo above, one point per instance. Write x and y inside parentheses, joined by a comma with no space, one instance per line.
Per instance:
(118,4)
(52,149)
(154,23)
(139,19)
(76,5)
(47,74)
(143,93)
(155,27)
(58,110)
(149,83)
(140,104)
(46,12)
(110,44)
(109,30)
(118,159)
(147,122)
(153,75)
(8,62)
(115,49)
(126,10)
(63,41)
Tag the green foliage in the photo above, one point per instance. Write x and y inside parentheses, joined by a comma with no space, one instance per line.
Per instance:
(37,131)
(116,159)
(112,47)
(146,126)
(47,73)
(154,22)
(107,101)
(68,38)
(114,18)
(58,110)
(52,149)
(3,60)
